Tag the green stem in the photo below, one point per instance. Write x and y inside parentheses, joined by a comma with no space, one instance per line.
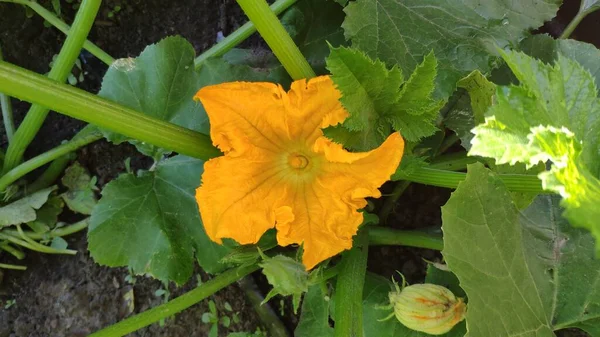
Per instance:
(59,232)
(573,25)
(239,35)
(448,142)
(46,157)
(383,236)
(64,28)
(32,245)
(349,288)
(449,179)
(280,42)
(457,161)
(51,174)
(76,103)
(62,68)
(7,112)
(12,250)
(176,305)
(12,266)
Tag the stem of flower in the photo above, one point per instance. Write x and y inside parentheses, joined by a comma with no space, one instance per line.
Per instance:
(239,35)
(76,103)
(449,179)
(7,113)
(63,27)
(349,288)
(272,31)
(59,72)
(383,236)
(176,305)
(46,157)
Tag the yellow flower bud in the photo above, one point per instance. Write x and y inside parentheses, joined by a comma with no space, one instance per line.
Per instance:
(428,308)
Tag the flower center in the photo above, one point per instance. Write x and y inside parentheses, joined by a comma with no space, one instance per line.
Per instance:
(297,161)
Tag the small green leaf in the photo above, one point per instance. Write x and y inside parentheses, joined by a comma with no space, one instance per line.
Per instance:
(461,33)
(529,272)
(379,100)
(59,243)
(551,116)
(314,319)
(80,196)
(47,215)
(24,210)
(286,275)
(151,223)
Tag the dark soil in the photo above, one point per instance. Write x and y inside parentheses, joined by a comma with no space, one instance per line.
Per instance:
(72,296)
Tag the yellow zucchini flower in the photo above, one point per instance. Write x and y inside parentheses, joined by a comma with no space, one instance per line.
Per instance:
(279,171)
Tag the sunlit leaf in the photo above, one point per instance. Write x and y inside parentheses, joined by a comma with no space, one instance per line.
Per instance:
(528,272)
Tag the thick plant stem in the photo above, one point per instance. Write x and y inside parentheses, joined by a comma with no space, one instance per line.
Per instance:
(7,112)
(349,288)
(64,28)
(239,35)
(62,68)
(46,157)
(176,305)
(277,38)
(449,179)
(383,236)
(76,103)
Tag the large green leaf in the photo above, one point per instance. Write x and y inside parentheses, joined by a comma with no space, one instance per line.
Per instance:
(552,116)
(462,33)
(161,83)
(525,273)
(379,100)
(314,320)
(151,223)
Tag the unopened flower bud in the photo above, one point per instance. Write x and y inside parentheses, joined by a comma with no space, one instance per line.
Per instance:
(287,276)
(428,308)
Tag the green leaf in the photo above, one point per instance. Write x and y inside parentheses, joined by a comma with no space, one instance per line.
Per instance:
(161,83)
(375,298)
(318,23)
(151,223)
(551,116)
(525,273)
(314,319)
(47,215)
(80,196)
(547,49)
(471,106)
(24,209)
(461,33)
(589,5)
(379,100)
